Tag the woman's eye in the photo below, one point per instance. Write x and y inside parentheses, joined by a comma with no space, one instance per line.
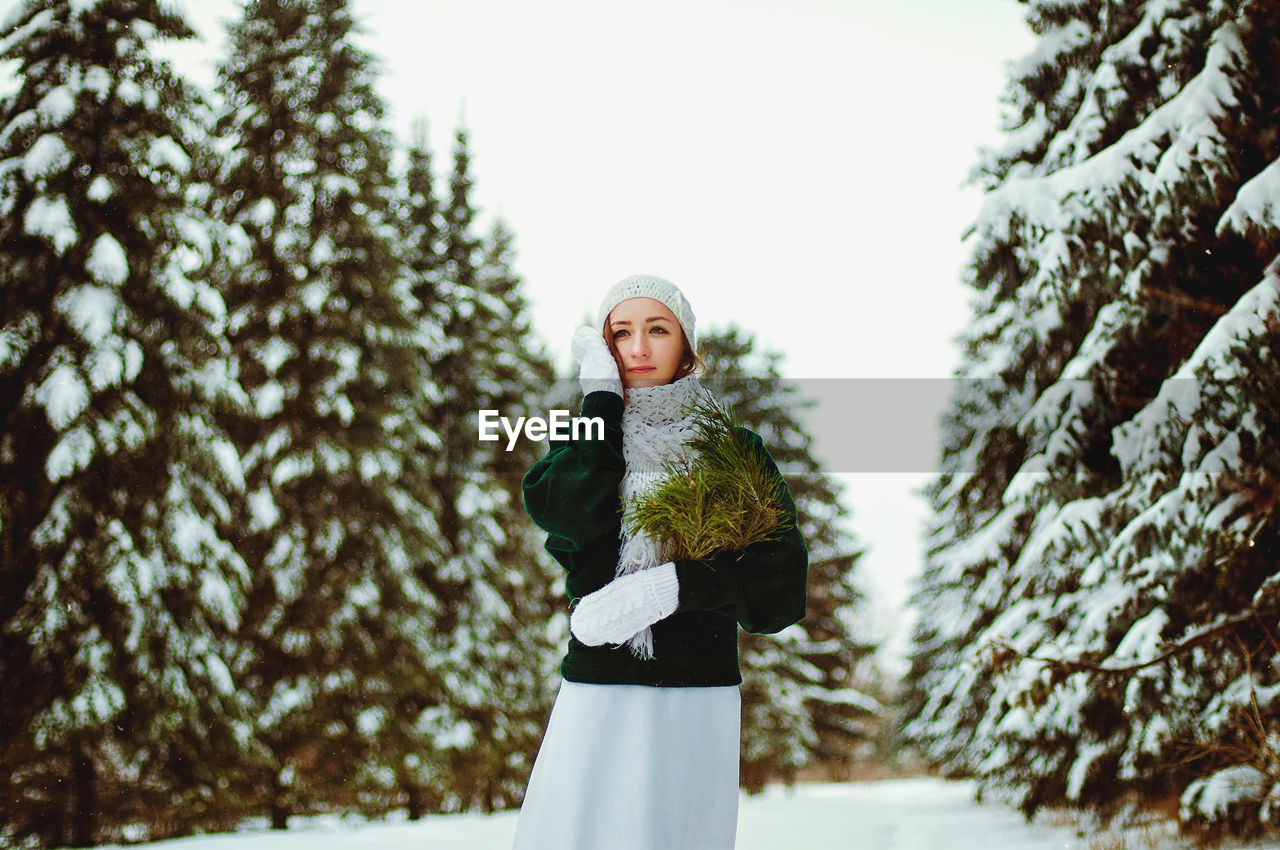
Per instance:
(619,334)
(658,329)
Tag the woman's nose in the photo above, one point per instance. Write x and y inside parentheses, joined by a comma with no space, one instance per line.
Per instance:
(641,346)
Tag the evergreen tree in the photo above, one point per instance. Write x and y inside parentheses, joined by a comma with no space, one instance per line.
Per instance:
(1097,615)
(494,581)
(508,630)
(805,692)
(322,324)
(119,593)
(404,765)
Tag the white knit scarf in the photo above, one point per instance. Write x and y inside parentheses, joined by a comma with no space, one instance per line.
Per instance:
(656,426)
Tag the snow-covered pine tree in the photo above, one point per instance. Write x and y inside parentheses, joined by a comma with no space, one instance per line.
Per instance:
(322,324)
(404,764)
(807,692)
(446,269)
(1112,489)
(495,581)
(509,624)
(118,595)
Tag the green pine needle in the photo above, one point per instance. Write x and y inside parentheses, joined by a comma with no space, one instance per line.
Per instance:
(722,498)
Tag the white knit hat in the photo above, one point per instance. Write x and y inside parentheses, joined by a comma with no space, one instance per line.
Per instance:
(659,289)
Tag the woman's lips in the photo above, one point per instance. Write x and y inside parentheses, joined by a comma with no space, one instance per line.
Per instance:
(641,369)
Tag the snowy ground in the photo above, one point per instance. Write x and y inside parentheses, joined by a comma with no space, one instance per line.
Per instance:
(909,814)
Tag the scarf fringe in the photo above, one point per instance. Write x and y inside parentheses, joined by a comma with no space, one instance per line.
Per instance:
(655,428)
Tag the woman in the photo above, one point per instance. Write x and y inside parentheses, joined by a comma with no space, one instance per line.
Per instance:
(641,752)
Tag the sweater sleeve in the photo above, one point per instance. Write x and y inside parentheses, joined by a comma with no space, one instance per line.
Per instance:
(572,492)
(764,586)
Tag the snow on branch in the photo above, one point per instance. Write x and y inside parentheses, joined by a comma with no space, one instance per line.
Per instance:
(1001,655)
(1154,153)
(1154,431)
(1106,90)
(1256,208)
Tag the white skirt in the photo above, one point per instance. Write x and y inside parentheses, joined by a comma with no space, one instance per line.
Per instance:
(633,767)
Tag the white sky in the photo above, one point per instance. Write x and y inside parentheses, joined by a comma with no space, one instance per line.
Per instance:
(794,165)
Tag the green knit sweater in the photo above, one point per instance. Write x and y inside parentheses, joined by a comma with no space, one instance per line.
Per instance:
(572,493)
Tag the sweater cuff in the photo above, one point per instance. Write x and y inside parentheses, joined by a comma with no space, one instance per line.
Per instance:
(606,405)
(701,587)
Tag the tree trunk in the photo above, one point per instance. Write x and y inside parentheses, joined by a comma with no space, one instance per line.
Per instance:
(84,815)
(416,805)
(279,814)
(279,803)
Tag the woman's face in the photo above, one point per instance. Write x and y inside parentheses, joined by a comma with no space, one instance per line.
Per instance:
(649,342)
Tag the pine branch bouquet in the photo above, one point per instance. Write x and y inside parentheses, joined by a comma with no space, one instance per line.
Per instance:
(721,497)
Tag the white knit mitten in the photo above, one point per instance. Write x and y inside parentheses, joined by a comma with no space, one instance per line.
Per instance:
(624,606)
(597,369)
